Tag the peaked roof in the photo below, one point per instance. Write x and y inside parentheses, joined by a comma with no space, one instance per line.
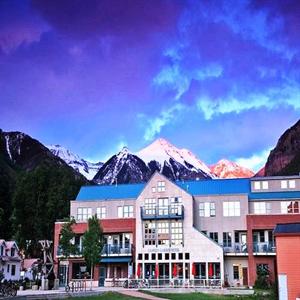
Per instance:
(196,187)
(110,192)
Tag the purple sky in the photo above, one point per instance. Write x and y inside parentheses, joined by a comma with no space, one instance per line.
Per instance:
(221,78)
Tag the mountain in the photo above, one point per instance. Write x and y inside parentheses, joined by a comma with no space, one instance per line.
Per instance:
(162,156)
(123,167)
(35,188)
(84,167)
(284,159)
(228,169)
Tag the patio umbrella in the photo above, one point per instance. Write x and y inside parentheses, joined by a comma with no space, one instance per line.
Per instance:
(138,272)
(193,269)
(174,272)
(156,271)
(210,270)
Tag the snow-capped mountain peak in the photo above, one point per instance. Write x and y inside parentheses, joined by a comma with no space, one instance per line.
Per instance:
(86,168)
(229,169)
(163,151)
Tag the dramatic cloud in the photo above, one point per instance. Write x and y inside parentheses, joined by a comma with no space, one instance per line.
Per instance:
(200,73)
(255,162)
(155,125)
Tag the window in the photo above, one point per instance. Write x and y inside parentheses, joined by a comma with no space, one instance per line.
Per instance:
(265,185)
(140,256)
(84,213)
(12,252)
(150,206)
(1,250)
(262,268)
(153,256)
(227,239)
(149,233)
(187,256)
(101,212)
(146,256)
(128,211)
(257,185)
(290,207)
(261,185)
(207,209)
(284,184)
(236,272)
(180,256)
(173,255)
(262,208)
(13,270)
(292,184)
(163,233)
(125,211)
(167,256)
(7,269)
(161,186)
(288,184)
(214,236)
(176,233)
(159,256)
(231,209)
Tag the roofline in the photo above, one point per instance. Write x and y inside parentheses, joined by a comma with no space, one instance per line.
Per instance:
(274,177)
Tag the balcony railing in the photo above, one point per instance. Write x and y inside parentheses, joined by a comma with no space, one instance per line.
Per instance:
(162,212)
(112,250)
(107,250)
(264,247)
(237,248)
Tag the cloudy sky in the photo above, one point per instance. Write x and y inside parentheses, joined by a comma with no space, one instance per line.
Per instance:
(221,78)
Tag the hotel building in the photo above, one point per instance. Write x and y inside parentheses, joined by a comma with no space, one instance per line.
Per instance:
(210,232)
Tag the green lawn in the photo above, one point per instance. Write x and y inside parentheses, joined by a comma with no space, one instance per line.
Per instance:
(177,296)
(201,296)
(107,296)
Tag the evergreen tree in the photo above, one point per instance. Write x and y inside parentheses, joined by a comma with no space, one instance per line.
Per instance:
(92,243)
(66,244)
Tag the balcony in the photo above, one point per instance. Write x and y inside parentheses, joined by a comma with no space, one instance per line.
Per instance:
(162,212)
(116,250)
(264,248)
(237,249)
(107,250)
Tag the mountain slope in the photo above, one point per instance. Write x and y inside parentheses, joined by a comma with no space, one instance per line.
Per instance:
(174,163)
(284,159)
(35,188)
(228,169)
(84,167)
(123,167)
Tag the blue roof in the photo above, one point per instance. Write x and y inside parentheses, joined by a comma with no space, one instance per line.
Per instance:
(274,195)
(287,228)
(216,186)
(110,192)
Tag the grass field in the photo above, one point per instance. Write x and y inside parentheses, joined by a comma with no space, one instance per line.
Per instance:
(107,296)
(201,296)
(178,296)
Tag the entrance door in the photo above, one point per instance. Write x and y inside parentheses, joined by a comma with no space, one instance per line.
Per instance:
(245,276)
(62,275)
(102,275)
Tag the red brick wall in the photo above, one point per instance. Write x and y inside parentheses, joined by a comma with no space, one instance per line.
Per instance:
(264,222)
(288,262)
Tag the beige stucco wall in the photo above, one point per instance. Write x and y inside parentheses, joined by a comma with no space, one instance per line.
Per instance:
(229,262)
(200,247)
(219,223)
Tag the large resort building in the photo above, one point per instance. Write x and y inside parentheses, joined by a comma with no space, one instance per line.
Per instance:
(205,232)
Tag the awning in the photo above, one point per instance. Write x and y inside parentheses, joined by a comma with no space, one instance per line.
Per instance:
(115,260)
